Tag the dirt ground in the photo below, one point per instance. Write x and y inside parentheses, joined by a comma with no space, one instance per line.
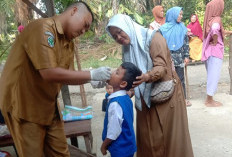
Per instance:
(210,128)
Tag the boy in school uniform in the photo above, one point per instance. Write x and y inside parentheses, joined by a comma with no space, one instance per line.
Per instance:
(118,134)
(109,90)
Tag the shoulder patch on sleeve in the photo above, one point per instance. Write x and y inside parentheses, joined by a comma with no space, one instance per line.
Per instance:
(50,39)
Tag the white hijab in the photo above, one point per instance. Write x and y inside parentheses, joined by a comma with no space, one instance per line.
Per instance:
(137,52)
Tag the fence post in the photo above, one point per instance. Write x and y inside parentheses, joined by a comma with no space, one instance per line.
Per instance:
(230,63)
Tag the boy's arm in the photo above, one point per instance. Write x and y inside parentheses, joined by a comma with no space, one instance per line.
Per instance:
(104,145)
(115,119)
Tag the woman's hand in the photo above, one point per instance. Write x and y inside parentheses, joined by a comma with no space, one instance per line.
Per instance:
(186,61)
(227,32)
(140,79)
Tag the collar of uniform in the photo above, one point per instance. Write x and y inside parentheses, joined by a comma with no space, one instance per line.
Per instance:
(116,94)
(58,25)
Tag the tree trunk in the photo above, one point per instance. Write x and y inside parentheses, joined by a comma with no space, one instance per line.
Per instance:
(23,12)
(115,6)
(65,95)
(230,63)
(50,7)
(82,89)
(148,5)
(33,7)
(157,2)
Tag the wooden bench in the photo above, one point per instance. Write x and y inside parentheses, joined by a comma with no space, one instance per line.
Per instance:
(74,152)
(72,130)
(79,128)
(7,141)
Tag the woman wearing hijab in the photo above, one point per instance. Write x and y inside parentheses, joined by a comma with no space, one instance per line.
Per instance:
(158,13)
(162,129)
(175,33)
(213,47)
(195,42)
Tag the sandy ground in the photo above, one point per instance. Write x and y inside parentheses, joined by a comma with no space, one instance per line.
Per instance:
(210,128)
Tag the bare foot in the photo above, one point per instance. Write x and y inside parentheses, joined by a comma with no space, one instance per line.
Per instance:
(213,103)
(188,103)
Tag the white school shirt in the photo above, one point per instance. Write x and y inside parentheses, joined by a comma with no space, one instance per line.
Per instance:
(115,119)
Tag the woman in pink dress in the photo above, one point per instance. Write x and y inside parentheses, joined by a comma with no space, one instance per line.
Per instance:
(213,48)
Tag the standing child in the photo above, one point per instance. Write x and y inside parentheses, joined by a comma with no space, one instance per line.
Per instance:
(109,90)
(118,134)
(213,48)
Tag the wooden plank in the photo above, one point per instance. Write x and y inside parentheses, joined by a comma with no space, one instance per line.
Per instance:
(186,83)
(6,142)
(82,89)
(77,128)
(74,152)
(230,63)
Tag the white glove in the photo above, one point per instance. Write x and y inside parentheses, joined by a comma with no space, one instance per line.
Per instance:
(100,74)
(98,84)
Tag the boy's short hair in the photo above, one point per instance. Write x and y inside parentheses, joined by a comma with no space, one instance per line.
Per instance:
(79,3)
(130,74)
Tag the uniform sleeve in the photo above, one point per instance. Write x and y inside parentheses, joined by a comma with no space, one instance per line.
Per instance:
(158,52)
(115,119)
(40,47)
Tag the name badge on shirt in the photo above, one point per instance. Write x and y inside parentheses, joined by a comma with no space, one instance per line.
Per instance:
(51,42)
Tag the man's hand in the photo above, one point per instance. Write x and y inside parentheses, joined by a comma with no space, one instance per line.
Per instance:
(186,61)
(100,74)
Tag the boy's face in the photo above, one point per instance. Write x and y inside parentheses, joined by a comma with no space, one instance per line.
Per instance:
(116,79)
(109,89)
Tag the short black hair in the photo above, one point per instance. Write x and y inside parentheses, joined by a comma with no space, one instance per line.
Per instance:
(77,3)
(131,73)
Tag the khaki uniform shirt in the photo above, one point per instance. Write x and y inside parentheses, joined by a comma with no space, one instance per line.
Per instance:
(23,92)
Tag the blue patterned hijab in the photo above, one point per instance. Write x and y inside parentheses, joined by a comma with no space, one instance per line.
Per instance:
(173,31)
(137,52)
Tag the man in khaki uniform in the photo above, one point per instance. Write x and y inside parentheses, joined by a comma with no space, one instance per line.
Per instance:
(40,61)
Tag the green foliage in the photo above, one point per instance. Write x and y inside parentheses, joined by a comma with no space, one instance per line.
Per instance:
(8,28)
(95,63)
(124,10)
(87,35)
(106,38)
(61,5)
